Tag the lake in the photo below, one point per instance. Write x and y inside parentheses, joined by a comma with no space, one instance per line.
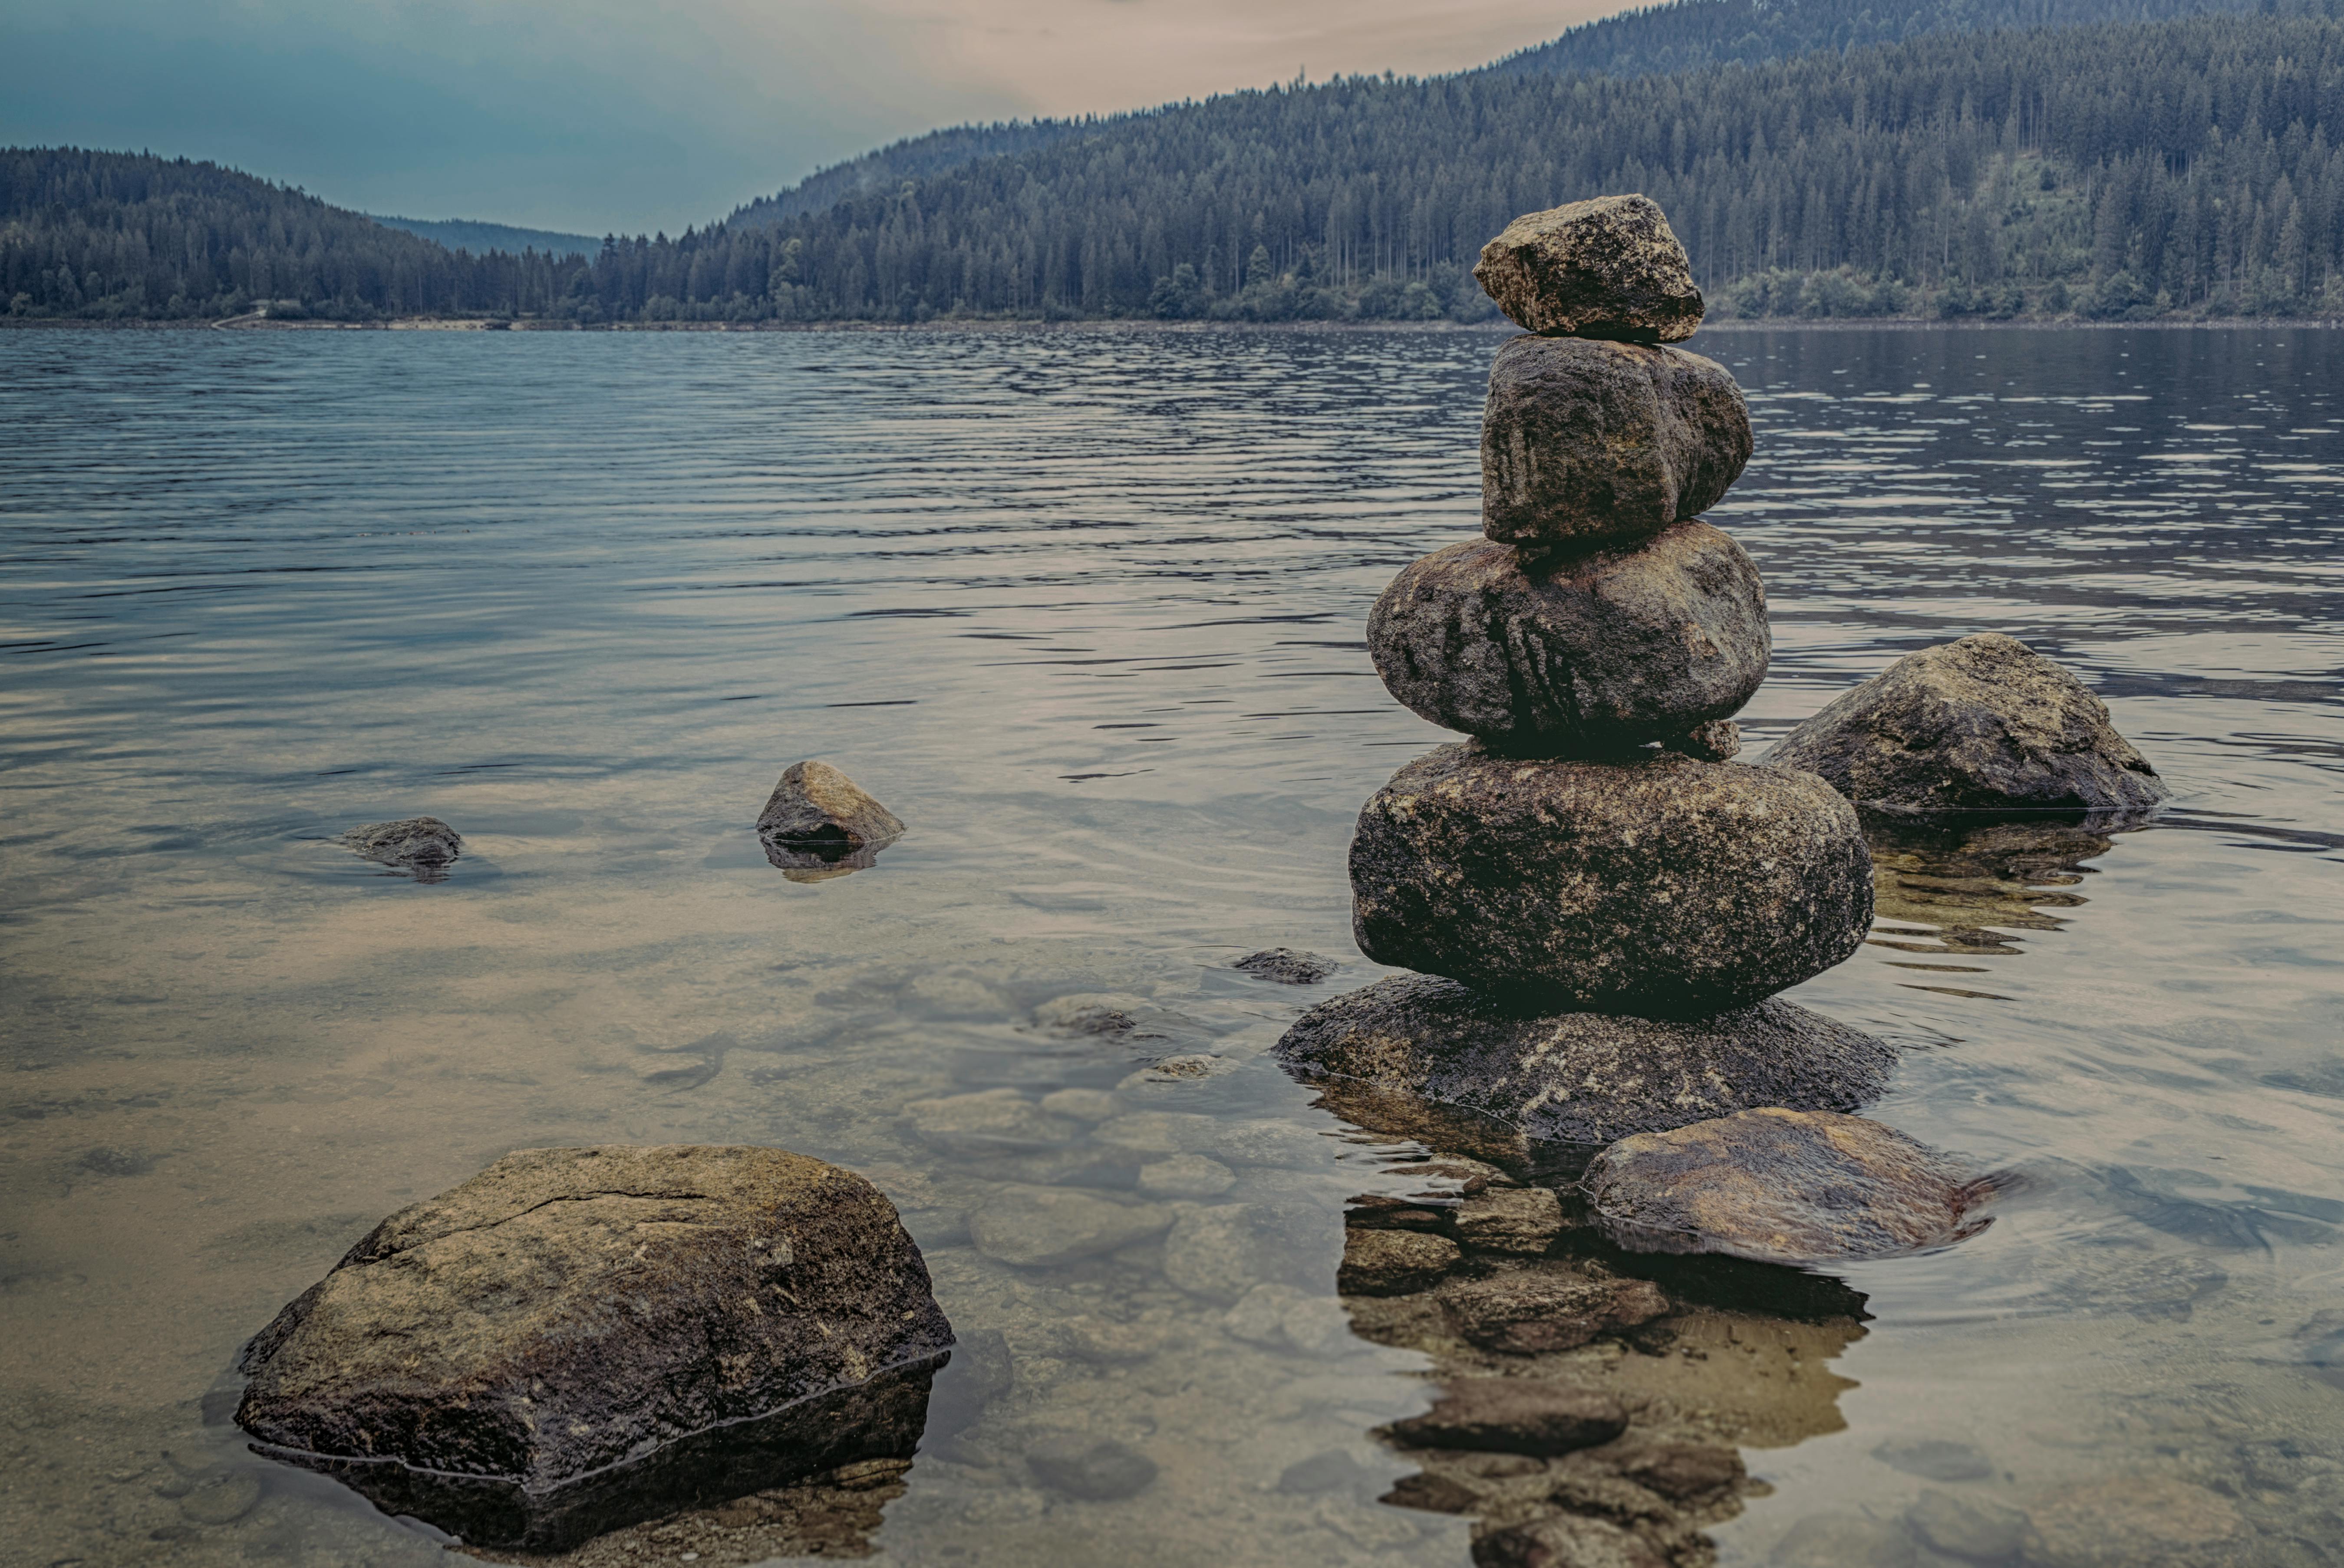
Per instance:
(1086,609)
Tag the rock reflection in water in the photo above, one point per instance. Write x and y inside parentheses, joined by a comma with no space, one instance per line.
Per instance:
(1591,1403)
(1957,887)
(818,860)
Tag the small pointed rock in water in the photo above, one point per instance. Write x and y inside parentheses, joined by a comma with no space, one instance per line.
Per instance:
(1605,443)
(1984,723)
(1782,1187)
(1287,965)
(417,843)
(1606,267)
(815,808)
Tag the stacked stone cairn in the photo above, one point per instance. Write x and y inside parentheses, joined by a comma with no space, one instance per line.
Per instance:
(1599,904)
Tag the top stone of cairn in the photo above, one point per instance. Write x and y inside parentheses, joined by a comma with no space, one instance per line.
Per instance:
(1609,268)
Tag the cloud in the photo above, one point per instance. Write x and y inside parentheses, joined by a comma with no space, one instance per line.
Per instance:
(593,114)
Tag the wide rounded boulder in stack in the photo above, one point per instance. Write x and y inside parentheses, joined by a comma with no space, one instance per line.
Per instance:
(1663,887)
(1576,655)
(1586,442)
(1607,268)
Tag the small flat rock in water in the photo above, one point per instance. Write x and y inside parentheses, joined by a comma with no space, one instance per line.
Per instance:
(220,1499)
(1566,1541)
(420,844)
(1580,655)
(1515,1415)
(1842,1541)
(815,804)
(560,1345)
(1977,1529)
(1661,887)
(1586,444)
(2139,1522)
(990,1121)
(1538,1312)
(1186,1176)
(1782,1186)
(1287,965)
(1584,1078)
(1521,1220)
(1936,1459)
(1606,267)
(1986,723)
(1043,1227)
(1095,1469)
(1393,1262)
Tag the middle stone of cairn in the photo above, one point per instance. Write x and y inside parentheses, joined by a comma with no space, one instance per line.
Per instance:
(1611,900)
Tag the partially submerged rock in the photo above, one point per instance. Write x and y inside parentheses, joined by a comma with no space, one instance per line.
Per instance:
(1606,267)
(1393,1262)
(1514,1415)
(1584,1078)
(1043,1226)
(1589,443)
(1984,723)
(1287,965)
(578,1338)
(1782,1187)
(422,845)
(1535,1311)
(1578,655)
(816,810)
(1662,887)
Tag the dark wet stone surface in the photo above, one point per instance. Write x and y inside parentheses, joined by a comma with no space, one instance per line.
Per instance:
(1582,1078)
(1533,1313)
(560,1346)
(1514,1415)
(1610,267)
(1287,965)
(1666,888)
(1981,723)
(1782,1187)
(1393,1262)
(1586,443)
(1582,655)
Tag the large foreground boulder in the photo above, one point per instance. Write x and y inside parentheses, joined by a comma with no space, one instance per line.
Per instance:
(1665,887)
(1579,655)
(1607,268)
(578,1338)
(1986,723)
(1782,1187)
(1588,442)
(1584,1078)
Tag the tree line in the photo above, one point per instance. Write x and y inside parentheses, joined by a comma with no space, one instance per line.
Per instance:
(2119,171)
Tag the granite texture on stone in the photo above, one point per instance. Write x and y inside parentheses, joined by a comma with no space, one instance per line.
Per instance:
(1610,267)
(1579,655)
(1783,1186)
(576,1337)
(815,805)
(422,845)
(1584,1078)
(1586,443)
(1662,887)
(1984,723)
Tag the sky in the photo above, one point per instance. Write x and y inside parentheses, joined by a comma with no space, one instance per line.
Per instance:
(589,115)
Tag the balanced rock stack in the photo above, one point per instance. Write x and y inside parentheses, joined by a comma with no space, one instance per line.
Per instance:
(1600,904)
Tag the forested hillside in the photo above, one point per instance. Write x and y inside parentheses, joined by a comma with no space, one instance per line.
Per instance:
(480,238)
(2116,172)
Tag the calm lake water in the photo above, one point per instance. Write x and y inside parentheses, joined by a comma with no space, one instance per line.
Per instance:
(1086,609)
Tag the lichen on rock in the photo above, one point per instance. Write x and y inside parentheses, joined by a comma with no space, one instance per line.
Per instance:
(1608,266)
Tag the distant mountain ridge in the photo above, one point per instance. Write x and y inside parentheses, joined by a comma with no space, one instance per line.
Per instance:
(480,238)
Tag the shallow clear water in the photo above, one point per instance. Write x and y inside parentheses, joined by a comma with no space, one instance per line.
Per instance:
(1086,609)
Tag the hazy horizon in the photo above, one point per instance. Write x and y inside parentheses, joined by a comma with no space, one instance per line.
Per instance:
(598,118)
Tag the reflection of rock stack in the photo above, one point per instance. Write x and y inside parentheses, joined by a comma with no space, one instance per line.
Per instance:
(1624,912)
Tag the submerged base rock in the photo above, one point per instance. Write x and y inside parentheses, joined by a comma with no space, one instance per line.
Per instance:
(1576,655)
(1782,1187)
(1584,1078)
(1514,1415)
(1664,886)
(1287,965)
(423,844)
(1607,268)
(578,1338)
(816,807)
(1984,723)
(1587,443)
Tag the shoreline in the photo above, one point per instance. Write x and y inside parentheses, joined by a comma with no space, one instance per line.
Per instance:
(1024,324)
